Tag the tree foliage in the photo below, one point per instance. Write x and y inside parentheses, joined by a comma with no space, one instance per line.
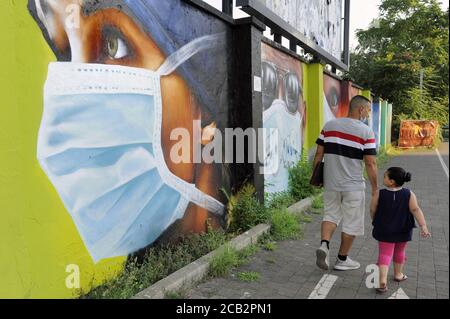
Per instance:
(407,37)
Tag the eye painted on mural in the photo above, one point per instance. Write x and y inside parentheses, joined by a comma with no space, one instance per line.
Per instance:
(333,98)
(114,46)
(270,84)
(293,91)
(271,77)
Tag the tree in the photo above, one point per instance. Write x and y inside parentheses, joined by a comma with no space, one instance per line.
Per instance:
(407,37)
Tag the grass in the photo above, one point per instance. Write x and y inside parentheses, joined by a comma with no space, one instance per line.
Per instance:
(318,202)
(249,276)
(221,264)
(285,225)
(176,295)
(228,258)
(158,263)
(270,246)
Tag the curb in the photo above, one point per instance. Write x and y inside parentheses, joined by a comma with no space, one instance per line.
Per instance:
(189,275)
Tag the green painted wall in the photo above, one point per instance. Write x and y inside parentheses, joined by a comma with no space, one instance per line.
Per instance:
(37,235)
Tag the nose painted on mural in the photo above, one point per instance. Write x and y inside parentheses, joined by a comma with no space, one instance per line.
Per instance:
(100,145)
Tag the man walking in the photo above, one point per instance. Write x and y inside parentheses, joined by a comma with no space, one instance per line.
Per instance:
(345,144)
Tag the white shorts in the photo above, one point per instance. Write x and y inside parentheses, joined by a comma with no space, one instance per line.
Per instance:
(348,207)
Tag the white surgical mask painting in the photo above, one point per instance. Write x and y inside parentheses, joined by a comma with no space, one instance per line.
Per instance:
(100,145)
(283,151)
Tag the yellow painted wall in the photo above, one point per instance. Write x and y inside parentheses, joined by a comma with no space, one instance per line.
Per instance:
(314,103)
(37,236)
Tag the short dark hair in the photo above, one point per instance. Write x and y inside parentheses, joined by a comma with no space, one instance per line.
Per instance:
(358,101)
(399,175)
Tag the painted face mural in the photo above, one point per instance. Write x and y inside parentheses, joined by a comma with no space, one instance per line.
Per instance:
(283,116)
(332,98)
(128,73)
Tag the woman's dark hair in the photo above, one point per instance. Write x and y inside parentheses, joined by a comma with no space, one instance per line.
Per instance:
(399,175)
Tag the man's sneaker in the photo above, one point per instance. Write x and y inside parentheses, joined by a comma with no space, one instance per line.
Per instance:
(322,260)
(346,265)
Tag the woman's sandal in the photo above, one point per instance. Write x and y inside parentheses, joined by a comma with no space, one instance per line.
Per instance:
(402,279)
(382,290)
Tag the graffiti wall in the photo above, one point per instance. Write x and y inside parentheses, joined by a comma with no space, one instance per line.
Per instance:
(417,133)
(107,83)
(376,120)
(283,117)
(93,92)
(334,107)
(318,20)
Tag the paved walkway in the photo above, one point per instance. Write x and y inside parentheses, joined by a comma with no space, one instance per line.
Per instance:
(289,272)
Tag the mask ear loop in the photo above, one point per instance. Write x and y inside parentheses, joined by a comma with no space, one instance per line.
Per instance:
(213,41)
(189,50)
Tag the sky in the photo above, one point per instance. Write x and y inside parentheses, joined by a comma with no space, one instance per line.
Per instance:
(357,20)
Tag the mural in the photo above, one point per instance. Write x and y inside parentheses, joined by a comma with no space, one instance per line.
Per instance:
(376,120)
(333,104)
(284,113)
(129,73)
(417,133)
(318,20)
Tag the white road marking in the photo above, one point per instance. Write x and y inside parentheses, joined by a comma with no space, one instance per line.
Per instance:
(399,294)
(442,163)
(323,287)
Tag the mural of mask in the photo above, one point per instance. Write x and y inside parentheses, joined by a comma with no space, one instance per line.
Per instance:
(283,116)
(151,39)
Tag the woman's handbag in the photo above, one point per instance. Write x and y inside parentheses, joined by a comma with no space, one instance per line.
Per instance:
(317,175)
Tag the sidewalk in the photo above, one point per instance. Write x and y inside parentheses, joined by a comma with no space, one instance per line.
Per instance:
(290,272)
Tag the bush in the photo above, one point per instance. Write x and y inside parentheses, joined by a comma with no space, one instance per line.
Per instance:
(299,177)
(245,211)
(284,225)
(279,200)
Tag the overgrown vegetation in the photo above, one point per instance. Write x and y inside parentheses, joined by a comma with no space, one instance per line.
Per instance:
(249,276)
(299,177)
(159,262)
(285,225)
(227,258)
(245,211)
(318,202)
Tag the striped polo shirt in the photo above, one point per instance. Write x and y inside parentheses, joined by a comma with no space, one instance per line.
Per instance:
(346,142)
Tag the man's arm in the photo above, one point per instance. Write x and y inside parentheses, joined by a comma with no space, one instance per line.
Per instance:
(372,172)
(319,155)
(370,159)
(320,149)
